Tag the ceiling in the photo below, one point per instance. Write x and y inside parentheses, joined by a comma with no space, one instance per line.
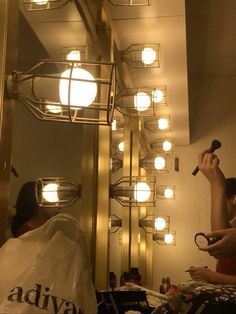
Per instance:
(163,22)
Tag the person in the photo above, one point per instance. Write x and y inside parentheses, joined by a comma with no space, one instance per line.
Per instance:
(28,214)
(223,221)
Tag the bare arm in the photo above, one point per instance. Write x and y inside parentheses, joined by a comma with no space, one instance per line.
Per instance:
(208,163)
(201,273)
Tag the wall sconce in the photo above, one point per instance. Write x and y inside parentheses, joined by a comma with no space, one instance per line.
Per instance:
(130,2)
(39,5)
(142,55)
(165,239)
(115,223)
(66,91)
(166,192)
(77,53)
(152,224)
(142,101)
(134,191)
(159,124)
(156,163)
(57,192)
(165,145)
(116,163)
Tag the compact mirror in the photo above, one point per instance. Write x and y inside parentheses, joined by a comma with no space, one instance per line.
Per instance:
(202,240)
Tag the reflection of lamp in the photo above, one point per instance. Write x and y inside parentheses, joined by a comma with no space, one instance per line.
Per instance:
(153,224)
(57,192)
(142,55)
(115,223)
(74,53)
(142,101)
(39,5)
(165,239)
(134,191)
(159,124)
(130,2)
(63,93)
(156,163)
(166,192)
(162,145)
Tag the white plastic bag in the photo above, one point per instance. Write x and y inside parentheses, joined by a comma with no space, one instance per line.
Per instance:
(47,271)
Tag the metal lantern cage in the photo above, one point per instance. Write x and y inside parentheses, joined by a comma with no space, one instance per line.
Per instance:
(115,223)
(151,164)
(149,224)
(160,238)
(40,5)
(153,126)
(57,192)
(165,192)
(134,191)
(67,91)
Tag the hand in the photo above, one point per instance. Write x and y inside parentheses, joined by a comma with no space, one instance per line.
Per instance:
(201,273)
(226,246)
(208,164)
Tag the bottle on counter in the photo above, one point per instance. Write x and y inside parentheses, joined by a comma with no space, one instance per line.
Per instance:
(165,284)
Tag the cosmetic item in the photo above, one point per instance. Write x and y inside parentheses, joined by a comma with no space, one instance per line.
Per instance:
(165,284)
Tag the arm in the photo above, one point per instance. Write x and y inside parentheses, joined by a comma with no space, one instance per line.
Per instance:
(208,164)
(202,273)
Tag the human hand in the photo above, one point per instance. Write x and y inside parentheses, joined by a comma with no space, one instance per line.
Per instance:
(201,273)
(226,246)
(208,164)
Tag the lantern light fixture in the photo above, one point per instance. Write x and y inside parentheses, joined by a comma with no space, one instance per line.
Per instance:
(159,162)
(40,5)
(154,224)
(165,238)
(165,192)
(163,145)
(115,223)
(159,124)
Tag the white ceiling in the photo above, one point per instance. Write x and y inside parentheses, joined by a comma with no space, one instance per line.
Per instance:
(162,22)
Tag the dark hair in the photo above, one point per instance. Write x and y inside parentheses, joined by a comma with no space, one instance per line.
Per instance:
(26,206)
(230,187)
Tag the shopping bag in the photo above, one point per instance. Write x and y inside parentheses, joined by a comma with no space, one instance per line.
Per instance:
(46,270)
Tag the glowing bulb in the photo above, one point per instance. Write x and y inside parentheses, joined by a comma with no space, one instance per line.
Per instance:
(73,55)
(166,145)
(163,123)
(160,223)
(168,238)
(113,125)
(121,146)
(148,56)
(50,193)
(54,109)
(142,101)
(77,93)
(159,163)
(142,192)
(157,95)
(40,2)
(168,193)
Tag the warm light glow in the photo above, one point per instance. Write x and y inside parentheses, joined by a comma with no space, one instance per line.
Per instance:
(169,238)
(166,145)
(160,223)
(73,55)
(142,101)
(50,193)
(113,125)
(142,192)
(168,193)
(54,109)
(157,95)
(80,93)
(121,146)
(148,56)
(40,2)
(163,123)
(159,163)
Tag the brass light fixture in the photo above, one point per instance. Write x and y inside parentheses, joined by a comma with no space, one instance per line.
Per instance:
(40,5)
(142,101)
(57,192)
(116,163)
(130,2)
(134,191)
(142,55)
(163,145)
(67,91)
(165,239)
(158,162)
(154,224)
(75,53)
(115,223)
(159,124)
(165,192)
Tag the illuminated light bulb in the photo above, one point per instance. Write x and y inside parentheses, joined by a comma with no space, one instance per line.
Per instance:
(142,192)
(163,123)
(159,163)
(81,94)
(157,95)
(142,101)
(166,145)
(148,56)
(121,146)
(40,2)
(113,125)
(160,223)
(73,55)
(168,193)
(168,238)
(50,192)
(54,109)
